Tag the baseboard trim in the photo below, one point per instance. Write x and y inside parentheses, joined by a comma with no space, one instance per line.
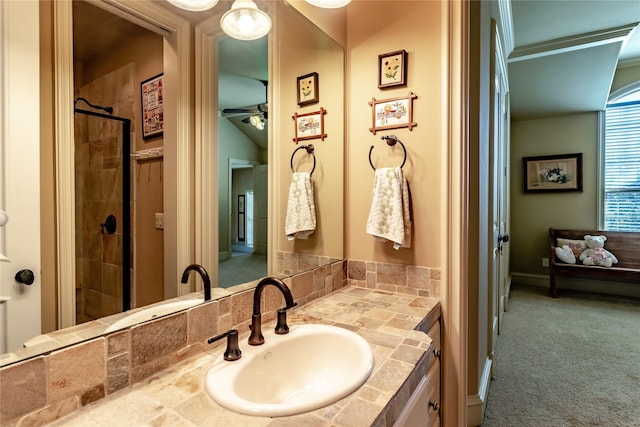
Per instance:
(581,285)
(476,403)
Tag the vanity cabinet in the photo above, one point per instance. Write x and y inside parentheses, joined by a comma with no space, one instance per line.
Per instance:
(423,407)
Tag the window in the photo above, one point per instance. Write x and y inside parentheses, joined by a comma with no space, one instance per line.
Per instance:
(621,162)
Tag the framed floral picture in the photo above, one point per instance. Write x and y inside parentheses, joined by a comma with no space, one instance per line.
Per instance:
(308,89)
(392,113)
(309,125)
(561,172)
(392,69)
(152,107)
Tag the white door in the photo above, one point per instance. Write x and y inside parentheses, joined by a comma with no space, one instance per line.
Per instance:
(499,190)
(19,174)
(249,218)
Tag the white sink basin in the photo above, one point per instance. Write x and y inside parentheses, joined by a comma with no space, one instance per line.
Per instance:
(153,312)
(310,367)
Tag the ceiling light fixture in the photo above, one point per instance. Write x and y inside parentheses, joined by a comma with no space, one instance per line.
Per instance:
(329,4)
(194,5)
(245,21)
(257,121)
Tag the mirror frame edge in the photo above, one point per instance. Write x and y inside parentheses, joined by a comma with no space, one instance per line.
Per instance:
(206,143)
(178,223)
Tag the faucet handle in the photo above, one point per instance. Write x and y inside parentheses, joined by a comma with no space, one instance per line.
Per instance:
(233,349)
(281,326)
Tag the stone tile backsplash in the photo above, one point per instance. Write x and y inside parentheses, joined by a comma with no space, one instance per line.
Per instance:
(42,389)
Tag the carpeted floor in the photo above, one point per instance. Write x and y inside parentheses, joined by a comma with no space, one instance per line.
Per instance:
(570,361)
(241,268)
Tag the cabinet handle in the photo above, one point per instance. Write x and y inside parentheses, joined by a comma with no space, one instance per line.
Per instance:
(434,405)
(437,352)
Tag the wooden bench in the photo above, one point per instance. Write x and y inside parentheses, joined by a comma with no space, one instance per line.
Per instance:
(624,245)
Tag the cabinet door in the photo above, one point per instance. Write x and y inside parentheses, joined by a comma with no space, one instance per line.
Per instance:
(423,407)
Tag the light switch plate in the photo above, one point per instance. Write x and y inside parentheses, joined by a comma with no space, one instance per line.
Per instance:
(159,221)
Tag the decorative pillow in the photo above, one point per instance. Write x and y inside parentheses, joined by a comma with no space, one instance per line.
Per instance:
(576,246)
(565,254)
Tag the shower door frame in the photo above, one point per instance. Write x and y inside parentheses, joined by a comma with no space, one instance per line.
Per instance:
(126,202)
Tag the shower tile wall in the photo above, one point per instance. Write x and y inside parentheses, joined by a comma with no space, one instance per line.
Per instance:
(98,164)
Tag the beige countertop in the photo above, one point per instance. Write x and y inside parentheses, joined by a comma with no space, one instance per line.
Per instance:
(394,324)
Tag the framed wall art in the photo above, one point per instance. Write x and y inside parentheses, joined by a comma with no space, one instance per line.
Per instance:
(392,69)
(308,89)
(392,113)
(151,91)
(561,172)
(309,125)
(241,218)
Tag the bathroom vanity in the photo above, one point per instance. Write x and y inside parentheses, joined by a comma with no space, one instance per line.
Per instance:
(403,331)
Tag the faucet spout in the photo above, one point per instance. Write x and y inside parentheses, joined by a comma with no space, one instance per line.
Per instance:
(206,282)
(256,337)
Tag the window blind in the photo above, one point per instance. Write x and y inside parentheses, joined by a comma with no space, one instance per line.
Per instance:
(622,167)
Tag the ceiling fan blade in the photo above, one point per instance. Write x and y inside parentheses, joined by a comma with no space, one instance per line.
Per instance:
(238,110)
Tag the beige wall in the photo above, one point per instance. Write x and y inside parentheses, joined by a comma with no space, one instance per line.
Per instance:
(533,214)
(378,27)
(49,296)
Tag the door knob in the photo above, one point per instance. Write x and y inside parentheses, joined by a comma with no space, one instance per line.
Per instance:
(503,238)
(25,277)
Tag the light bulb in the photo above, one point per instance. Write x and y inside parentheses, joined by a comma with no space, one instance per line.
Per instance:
(245,21)
(194,5)
(329,4)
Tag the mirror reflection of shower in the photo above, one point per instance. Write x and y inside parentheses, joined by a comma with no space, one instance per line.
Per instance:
(102,190)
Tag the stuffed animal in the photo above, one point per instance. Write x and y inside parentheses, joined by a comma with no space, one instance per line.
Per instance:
(569,250)
(596,254)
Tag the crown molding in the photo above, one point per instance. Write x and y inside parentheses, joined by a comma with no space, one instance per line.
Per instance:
(572,43)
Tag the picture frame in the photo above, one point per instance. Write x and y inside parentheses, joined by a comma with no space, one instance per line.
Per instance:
(309,125)
(559,172)
(392,113)
(241,218)
(152,101)
(308,89)
(392,69)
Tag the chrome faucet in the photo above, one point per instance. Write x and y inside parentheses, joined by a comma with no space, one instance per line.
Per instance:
(206,282)
(256,337)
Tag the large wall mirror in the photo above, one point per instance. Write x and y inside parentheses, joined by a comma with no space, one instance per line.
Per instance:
(196,180)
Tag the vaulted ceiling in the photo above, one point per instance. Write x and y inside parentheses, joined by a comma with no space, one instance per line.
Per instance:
(566,53)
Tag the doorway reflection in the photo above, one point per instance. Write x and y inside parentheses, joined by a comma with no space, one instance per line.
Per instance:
(246,260)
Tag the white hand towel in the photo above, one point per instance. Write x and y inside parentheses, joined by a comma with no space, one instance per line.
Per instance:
(390,216)
(300,221)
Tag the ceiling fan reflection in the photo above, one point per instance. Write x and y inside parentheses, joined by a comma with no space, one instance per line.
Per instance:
(256,115)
